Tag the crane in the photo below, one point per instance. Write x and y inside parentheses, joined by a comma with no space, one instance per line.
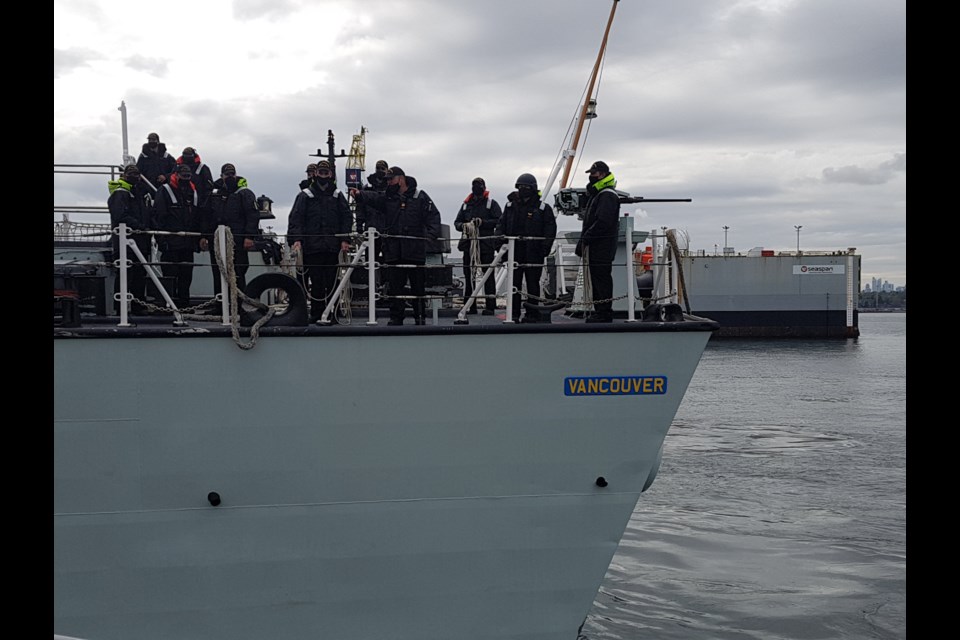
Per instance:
(356,161)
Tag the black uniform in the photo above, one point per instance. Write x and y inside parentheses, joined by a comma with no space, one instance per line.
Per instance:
(129,204)
(599,232)
(533,219)
(154,162)
(178,210)
(488,211)
(318,215)
(233,204)
(202,177)
(411,213)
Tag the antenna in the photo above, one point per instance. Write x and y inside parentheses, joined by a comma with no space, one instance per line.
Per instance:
(585,111)
(127,158)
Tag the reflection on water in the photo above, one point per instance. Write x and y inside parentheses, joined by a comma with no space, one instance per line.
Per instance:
(780,508)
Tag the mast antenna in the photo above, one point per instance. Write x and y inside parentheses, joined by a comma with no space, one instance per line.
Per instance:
(127,158)
(587,111)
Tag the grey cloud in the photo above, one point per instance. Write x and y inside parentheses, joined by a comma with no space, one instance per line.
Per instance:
(156,67)
(880,174)
(67,60)
(254,9)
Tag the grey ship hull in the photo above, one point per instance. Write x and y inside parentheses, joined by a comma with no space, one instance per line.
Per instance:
(812,295)
(422,483)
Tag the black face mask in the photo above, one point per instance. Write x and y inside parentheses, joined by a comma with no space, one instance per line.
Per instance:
(393,189)
(525,192)
(322,182)
(478,190)
(189,159)
(154,144)
(231,182)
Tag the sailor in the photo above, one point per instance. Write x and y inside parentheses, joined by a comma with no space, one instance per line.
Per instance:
(154,163)
(377,181)
(478,218)
(233,204)
(408,219)
(201,175)
(533,221)
(129,203)
(319,215)
(178,210)
(598,238)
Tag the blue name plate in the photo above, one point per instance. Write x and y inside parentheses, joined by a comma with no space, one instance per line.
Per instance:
(615,386)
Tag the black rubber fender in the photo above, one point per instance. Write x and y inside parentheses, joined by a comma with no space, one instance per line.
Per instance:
(296,312)
(663,313)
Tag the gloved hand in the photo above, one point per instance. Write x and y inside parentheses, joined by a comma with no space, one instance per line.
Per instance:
(304,184)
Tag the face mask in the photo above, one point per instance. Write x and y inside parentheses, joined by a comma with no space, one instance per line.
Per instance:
(322,182)
(230,181)
(393,189)
(189,159)
(154,144)
(478,190)
(525,192)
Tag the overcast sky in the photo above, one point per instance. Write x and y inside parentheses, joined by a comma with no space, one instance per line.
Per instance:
(767,113)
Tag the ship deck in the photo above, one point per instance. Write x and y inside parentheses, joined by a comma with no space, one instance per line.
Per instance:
(442,322)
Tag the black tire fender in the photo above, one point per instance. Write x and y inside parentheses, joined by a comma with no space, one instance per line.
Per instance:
(296,313)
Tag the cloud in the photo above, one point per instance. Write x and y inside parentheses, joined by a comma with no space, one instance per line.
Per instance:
(156,67)
(65,61)
(738,104)
(882,173)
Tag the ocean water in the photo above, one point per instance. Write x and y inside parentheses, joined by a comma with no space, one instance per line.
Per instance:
(780,508)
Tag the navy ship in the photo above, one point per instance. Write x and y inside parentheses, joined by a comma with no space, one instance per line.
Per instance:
(239,473)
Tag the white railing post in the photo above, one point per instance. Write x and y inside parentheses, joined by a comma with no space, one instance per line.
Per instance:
(124,286)
(561,271)
(510,286)
(371,277)
(478,285)
(674,272)
(344,283)
(221,240)
(631,270)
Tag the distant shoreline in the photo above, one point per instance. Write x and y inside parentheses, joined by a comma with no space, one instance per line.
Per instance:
(881,310)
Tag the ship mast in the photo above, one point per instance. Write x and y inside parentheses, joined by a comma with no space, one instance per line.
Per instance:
(586,103)
(586,111)
(127,158)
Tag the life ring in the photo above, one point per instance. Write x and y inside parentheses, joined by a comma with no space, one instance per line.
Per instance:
(295,314)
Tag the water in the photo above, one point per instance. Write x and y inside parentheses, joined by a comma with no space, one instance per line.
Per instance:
(780,509)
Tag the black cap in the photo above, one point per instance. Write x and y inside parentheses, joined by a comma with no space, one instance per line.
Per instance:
(479,181)
(228,167)
(382,164)
(189,151)
(324,164)
(184,169)
(153,135)
(395,171)
(131,168)
(312,166)
(600,166)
